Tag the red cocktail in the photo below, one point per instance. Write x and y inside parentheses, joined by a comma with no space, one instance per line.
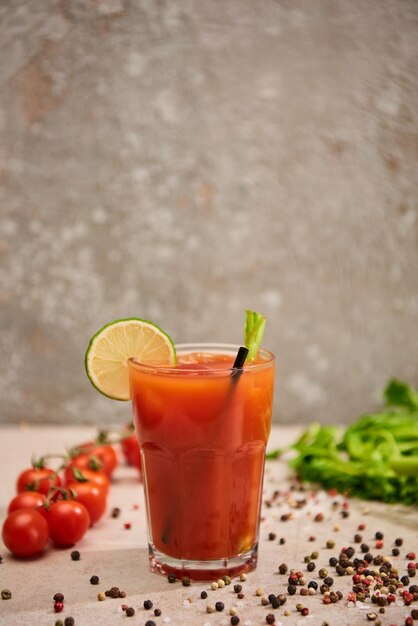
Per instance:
(203,433)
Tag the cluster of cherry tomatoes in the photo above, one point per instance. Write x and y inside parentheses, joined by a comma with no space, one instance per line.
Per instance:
(61,505)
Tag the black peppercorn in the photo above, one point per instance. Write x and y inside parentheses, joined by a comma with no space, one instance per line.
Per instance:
(378,535)
(311,566)
(283,568)
(75,555)
(171,578)
(130,611)
(69,621)
(219,606)
(364,547)
(58,597)
(157,612)
(185,581)
(313,585)
(203,595)
(274,601)
(237,588)
(234,620)
(333,561)
(94,580)
(148,605)
(270,619)
(398,542)
(150,622)
(291,590)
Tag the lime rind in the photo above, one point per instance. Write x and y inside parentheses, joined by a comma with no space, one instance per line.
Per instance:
(112,367)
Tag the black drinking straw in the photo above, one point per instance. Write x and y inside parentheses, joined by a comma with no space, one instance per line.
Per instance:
(236,369)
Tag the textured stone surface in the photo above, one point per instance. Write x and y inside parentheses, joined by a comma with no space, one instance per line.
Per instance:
(184,160)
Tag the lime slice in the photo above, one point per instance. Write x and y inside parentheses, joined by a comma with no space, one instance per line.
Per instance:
(109,350)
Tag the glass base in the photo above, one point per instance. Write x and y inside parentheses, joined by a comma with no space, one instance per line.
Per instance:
(202,570)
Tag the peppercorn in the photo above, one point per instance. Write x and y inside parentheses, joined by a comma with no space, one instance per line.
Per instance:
(243,577)
(219,606)
(323,572)
(364,547)
(350,551)
(270,618)
(328,580)
(291,590)
(333,561)
(130,611)
(398,541)
(94,580)
(259,592)
(101,596)
(304,611)
(283,568)
(313,585)
(227,580)
(59,622)
(234,620)
(311,566)
(272,536)
(303,591)
(214,586)
(323,589)
(282,541)
(282,598)
(275,603)
(6,594)
(69,621)
(264,601)
(237,588)
(414,614)
(157,612)
(405,581)
(378,535)
(371,616)
(240,596)
(319,517)
(185,581)
(345,514)
(150,622)
(148,605)
(411,556)
(358,538)
(58,597)
(203,595)
(75,555)
(171,577)
(58,607)
(368,557)
(210,608)
(330,544)
(115,512)
(395,551)
(314,555)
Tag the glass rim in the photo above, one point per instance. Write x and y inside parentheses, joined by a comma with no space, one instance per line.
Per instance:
(223,348)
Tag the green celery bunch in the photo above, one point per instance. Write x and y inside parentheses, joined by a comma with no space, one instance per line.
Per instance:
(375,458)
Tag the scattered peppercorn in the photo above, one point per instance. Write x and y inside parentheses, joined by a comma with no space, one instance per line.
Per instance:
(171,578)
(130,611)
(75,555)
(58,607)
(243,577)
(398,542)
(234,620)
(395,551)
(304,611)
(240,596)
(283,568)
(270,618)
(237,588)
(148,605)
(185,581)
(272,536)
(345,514)
(411,556)
(59,622)
(6,594)
(371,616)
(115,512)
(378,535)
(69,621)
(319,517)
(282,541)
(313,585)
(150,622)
(58,597)
(330,544)
(291,590)
(157,612)
(94,580)
(314,555)
(203,595)
(101,596)
(275,603)
(219,606)
(323,572)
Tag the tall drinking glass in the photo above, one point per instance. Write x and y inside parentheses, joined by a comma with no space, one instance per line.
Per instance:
(203,428)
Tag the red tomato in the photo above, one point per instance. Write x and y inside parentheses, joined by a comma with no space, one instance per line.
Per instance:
(25,532)
(91,453)
(98,478)
(92,496)
(37,479)
(68,522)
(26,500)
(131,452)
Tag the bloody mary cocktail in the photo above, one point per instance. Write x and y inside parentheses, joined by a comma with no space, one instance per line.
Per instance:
(203,435)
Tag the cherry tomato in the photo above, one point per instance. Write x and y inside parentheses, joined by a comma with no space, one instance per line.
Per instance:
(26,500)
(131,452)
(25,532)
(68,522)
(100,479)
(37,479)
(90,453)
(92,496)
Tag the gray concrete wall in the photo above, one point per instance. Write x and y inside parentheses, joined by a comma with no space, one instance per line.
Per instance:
(184,160)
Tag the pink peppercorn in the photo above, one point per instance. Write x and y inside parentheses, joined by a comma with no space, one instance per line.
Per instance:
(127,525)
(411,565)
(304,611)
(411,556)
(361,527)
(326,600)
(379,544)
(58,607)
